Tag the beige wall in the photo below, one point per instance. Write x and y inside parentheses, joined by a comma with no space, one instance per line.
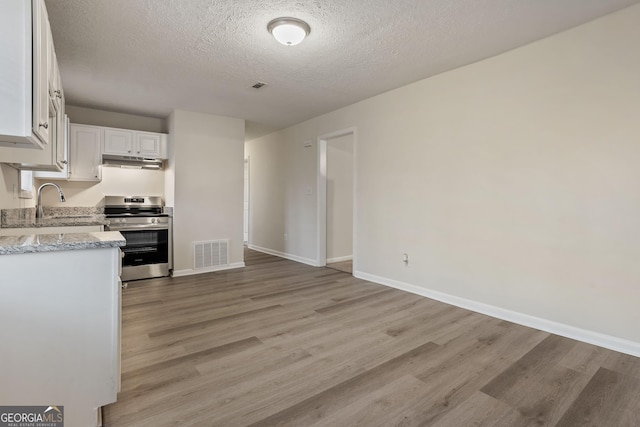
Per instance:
(283,193)
(339,197)
(90,116)
(170,164)
(209,166)
(115,182)
(9,177)
(512,182)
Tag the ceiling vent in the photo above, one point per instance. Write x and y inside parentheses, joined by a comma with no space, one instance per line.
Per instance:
(259,85)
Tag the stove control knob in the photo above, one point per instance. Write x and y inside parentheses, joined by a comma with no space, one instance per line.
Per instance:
(154,220)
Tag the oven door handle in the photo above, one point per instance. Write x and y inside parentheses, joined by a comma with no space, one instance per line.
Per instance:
(136,228)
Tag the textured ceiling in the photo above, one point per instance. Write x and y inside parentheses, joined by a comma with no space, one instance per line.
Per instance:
(149,57)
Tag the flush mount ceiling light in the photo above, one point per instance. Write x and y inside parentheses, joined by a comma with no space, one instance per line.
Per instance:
(289,31)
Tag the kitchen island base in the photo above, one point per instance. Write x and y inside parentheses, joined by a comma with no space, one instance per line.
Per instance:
(60,329)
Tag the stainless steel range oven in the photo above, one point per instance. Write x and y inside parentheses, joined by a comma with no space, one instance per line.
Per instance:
(148,232)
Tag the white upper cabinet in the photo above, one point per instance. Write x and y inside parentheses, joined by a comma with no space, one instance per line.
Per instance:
(56,96)
(85,144)
(148,144)
(118,141)
(31,96)
(64,173)
(123,142)
(20,46)
(82,155)
(42,66)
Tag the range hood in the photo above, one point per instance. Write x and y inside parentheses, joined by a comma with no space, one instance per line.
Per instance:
(131,162)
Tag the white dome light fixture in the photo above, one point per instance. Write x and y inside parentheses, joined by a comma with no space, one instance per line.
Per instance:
(289,31)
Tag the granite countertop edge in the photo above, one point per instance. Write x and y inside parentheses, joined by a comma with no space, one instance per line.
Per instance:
(32,243)
(55,222)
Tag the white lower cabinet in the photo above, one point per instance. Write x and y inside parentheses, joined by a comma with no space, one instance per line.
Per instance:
(61,330)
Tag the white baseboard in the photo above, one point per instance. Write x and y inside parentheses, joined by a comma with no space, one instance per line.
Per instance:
(340,259)
(596,338)
(191,272)
(291,257)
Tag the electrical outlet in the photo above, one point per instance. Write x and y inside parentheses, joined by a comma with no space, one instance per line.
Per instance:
(285,237)
(405,259)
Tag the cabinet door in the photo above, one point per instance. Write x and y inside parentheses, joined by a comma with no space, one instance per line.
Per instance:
(118,141)
(56,114)
(57,95)
(64,173)
(41,58)
(147,144)
(84,149)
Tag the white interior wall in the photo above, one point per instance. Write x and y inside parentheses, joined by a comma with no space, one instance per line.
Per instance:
(9,178)
(170,164)
(115,182)
(283,195)
(208,152)
(92,116)
(512,183)
(340,198)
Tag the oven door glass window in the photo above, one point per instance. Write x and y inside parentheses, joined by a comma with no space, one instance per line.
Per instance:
(145,247)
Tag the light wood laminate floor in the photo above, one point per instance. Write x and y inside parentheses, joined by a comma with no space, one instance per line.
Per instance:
(284,344)
(344,266)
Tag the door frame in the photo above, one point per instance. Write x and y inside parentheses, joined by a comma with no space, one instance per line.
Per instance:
(321,238)
(246,185)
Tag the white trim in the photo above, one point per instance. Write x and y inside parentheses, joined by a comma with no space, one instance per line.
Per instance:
(354,223)
(247,165)
(321,237)
(291,257)
(191,271)
(585,335)
(340,259)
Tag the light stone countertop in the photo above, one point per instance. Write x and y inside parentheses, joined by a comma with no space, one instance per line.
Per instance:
(59,242)
(53,217)
(56,222)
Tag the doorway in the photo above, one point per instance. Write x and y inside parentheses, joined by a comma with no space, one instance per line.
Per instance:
(336,200)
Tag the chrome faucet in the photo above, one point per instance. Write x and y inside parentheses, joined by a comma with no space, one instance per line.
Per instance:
(39,205)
